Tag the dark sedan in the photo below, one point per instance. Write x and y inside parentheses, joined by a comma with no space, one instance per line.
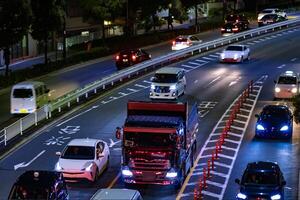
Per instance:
(270,19)
(130,57)
(275,121)
(261,180)
(233,27)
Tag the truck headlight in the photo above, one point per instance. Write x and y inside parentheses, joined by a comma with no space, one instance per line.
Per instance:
(241,196)
(277,89)
(276,197)
(173,87)
(126,172)
(171,173)
(152,86)
(294,90)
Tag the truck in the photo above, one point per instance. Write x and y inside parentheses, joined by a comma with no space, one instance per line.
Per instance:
(158,142)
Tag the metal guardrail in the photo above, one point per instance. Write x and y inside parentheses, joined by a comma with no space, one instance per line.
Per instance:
(74,96)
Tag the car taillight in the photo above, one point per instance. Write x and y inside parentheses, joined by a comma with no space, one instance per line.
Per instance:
(187,42)
(117,57)
(173,42)
(235,29)
(133,57)
(222,29)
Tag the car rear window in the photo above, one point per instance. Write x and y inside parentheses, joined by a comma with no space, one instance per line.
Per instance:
(287,80)
(22,93)
(180,40)
(267,11)
(234,48)
(165,78)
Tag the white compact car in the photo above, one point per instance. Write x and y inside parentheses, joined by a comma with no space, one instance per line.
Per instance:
(83,159)
(235,53)
(271,11)
(168,83)
(182,42)
(287,85)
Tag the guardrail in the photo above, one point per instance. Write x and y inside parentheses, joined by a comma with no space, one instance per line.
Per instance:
(94,87)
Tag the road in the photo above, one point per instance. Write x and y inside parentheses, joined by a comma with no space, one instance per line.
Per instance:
(66,80)
(209,83)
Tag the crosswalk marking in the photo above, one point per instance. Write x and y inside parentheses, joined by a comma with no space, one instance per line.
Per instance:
(188,66)
(202,61)
(141,86)
(207,58)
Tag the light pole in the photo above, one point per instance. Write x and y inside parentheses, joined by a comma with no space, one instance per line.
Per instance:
(64,30)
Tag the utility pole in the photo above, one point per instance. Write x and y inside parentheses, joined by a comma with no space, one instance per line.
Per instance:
(64,31)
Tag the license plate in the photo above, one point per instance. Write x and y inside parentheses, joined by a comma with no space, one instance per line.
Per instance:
(125,60)
(228,29)
(23,110)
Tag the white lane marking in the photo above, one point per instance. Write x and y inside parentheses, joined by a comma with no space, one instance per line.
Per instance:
(218,173)
(193,63)
(23,164)
(196,81)
(145,81)
(268,38)
(202,61)
(222,164)
(261,39)
(186,70)
(281,66)
(294,59)
(210,194)
(123,94)
(214,80)
(273,36)
(279,34)
(256,41)
(112,143)
(250,43)
(234,82)
(141,86)
(86,111)
(218,53)
(246,104)
(190,67)
(223,147)
(132,90)
(245,110)
(214,56)
(207,58)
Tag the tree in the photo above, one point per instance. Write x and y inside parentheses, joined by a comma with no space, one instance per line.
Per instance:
(15,17)
(96,11)
(47,18)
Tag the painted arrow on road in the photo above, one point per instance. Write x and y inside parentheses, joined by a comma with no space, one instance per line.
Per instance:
(112,143)
(23,164)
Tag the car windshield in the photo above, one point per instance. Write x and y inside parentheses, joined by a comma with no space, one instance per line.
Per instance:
(181,40)
(260,178)
(267,11)
(234,48)
(275,113)
(30,192)
(148,139)
(287,80)
(79,153)
(267,17)
(165,78)
(22,93)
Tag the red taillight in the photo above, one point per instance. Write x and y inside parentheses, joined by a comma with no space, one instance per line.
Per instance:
(133,57)
(235,29)
(222,29)
(117,57)
(187,42)
(173,42)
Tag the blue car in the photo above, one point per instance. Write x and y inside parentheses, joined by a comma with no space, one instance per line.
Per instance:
(275,121)
(261,180)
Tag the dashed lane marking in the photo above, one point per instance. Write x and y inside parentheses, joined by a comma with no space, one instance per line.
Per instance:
(207,58)
(132,90)
(294,59)
(250,43)
(281,66)
(193,63)
(202,61)
(145,81)
(214,56)
(141,86)
(214,80)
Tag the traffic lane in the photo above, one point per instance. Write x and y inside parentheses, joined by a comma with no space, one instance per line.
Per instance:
(286,153)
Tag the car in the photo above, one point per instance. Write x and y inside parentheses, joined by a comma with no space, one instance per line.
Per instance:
(83,159)
(261,180)
(39,185)
(287,85)
(270,19)
(235,53)
(271,11)
(168,83)
(232,18)
(230,28)
(274,121)
(117,194)
(130,57)
(182,42)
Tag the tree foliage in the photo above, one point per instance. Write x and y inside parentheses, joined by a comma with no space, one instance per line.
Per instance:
(47,18)
(15,17)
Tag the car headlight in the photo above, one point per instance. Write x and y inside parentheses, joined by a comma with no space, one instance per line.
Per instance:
(152,86)
(276,197)
(171,174)
(277,89)
(58,167)
(222,55)
(294,90)
(284,128)
(126,172)
(173,87)
(241,196)
(260,127)
(89,167)
(236,56)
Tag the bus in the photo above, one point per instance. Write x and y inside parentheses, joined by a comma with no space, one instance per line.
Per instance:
(28,96)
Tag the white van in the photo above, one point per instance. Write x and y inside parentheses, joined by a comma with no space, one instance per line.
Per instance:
(168,83)
(287,85)
(27,96)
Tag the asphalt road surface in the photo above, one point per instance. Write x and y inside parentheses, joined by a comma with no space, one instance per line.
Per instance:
(213,86)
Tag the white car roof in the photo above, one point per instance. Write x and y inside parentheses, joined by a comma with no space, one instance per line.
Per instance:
(83,142)
(28,84)
(168,70)
(115,194)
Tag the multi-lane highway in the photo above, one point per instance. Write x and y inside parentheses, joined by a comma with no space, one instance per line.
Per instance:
(213,86)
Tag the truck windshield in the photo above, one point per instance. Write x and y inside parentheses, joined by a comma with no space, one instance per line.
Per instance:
(165,78)
(148,139)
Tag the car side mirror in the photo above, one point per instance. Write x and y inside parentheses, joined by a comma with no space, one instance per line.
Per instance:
(283,182)
(237,181)
(257,115)
(58,153)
